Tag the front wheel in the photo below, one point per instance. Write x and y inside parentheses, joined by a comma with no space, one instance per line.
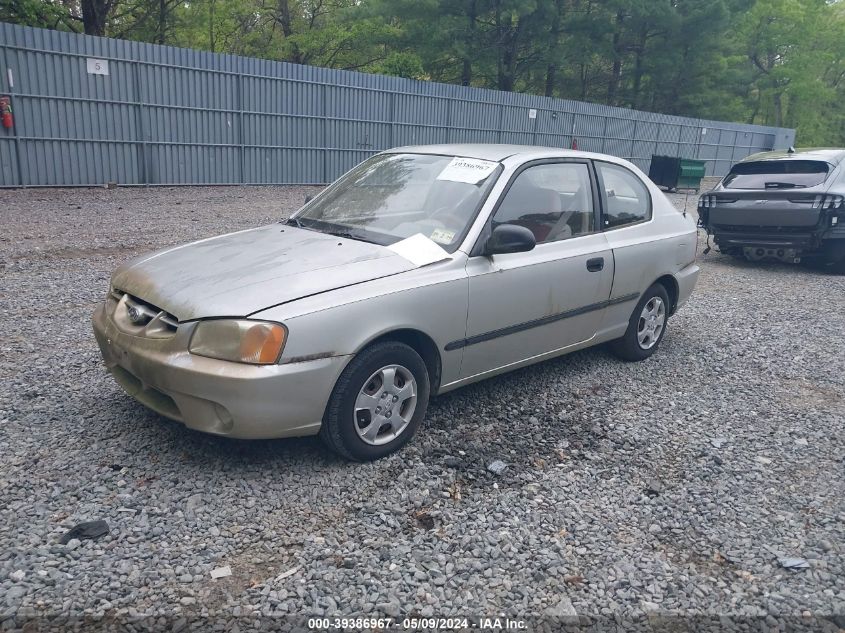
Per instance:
(646,327)
(378,402)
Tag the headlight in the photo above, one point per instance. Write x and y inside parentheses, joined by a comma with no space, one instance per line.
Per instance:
(240,341)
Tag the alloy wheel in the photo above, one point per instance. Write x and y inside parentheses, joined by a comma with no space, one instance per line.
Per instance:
(385,405)
(651,323)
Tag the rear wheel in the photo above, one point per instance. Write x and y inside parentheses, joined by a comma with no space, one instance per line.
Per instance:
(835,256)
(378,402)
(646,327)
(838,268)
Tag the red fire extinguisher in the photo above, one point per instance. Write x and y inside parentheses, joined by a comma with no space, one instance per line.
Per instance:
(574,143)
(6,112)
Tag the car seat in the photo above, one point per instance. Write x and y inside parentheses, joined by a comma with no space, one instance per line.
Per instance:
(579,203)
(524,199)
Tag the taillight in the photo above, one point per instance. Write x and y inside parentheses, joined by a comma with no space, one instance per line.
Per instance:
(707,201)
(828,201)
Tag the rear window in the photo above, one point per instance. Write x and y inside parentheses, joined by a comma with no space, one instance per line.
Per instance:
(777,174)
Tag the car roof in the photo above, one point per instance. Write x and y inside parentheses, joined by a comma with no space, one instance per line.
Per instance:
(497,152)
(832,155)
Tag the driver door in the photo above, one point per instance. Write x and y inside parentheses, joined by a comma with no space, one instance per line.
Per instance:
(526,305)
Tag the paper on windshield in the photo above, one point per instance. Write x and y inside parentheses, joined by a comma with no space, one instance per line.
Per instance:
(469,170)
(419,250)
(442,236)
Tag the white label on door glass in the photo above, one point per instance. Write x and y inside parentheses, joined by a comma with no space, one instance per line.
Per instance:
(97,66)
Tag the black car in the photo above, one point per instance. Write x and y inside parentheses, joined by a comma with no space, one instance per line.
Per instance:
(787,205)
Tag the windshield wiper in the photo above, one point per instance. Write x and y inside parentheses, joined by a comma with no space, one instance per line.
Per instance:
(345,234)
(783,185)
(336,232)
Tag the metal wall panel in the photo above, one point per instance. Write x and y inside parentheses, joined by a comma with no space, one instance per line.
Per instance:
(69,119)
(591,144)
(49,162)
(193,164)
(417,109)
(554,122)
(554,140)
(516,119)
(8,163)
(166,115)
(469,115)
(419,135)
(690,135)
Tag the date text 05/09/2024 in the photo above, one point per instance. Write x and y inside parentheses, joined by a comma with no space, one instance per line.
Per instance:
(418,624)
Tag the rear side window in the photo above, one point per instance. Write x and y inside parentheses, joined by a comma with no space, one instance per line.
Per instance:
(777,174)
(626,198)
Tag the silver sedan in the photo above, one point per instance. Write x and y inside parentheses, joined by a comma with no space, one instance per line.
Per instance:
(422,270)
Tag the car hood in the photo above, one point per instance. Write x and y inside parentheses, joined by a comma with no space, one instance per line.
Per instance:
(241,273)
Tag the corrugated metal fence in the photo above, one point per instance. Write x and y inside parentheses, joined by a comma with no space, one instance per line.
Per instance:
(92,110)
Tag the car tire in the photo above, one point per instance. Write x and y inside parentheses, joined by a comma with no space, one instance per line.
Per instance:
(642,337)
(838,267)
(352,427)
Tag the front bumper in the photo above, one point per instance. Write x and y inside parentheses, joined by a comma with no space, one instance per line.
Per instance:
(215,396)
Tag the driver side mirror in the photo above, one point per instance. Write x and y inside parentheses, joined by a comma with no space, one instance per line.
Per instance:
(308,198)
(509,238)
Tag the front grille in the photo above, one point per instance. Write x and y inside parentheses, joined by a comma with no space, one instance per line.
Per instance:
(139,317)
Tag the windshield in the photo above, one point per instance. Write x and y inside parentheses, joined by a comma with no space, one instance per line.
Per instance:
(777,174)
(393,196)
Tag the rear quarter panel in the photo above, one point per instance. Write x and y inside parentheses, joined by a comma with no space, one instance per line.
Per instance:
(645,252)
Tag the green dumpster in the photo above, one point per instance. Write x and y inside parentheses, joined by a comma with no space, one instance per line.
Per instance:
(692,171)
(676,173)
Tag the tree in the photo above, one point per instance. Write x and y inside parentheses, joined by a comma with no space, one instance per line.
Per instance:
(95,14)
(796,54)
(47,15)
(776,62)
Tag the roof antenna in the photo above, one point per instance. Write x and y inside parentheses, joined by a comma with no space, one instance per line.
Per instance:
(791,150)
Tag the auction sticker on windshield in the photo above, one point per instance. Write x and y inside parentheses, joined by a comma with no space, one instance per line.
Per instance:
(469,170)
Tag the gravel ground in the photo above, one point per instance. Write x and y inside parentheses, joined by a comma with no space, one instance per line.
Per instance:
(670,487)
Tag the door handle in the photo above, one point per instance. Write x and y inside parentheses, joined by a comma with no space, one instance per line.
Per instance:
(595,264)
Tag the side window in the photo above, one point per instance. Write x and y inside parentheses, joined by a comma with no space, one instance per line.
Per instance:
(554,201)
(627,200)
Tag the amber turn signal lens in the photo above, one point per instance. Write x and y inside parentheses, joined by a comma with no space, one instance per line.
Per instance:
(239,341)
(262,343)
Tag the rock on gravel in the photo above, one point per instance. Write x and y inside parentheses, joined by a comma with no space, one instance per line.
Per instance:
(497,467)
(757,356)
